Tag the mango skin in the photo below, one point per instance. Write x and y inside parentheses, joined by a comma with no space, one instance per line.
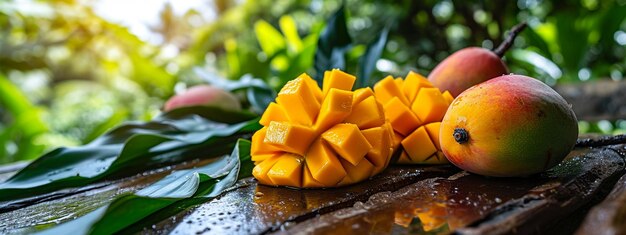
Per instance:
(517,126)
(466,68)
(203,95)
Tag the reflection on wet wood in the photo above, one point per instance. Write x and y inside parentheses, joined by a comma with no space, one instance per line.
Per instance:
(472,204)
(258,209)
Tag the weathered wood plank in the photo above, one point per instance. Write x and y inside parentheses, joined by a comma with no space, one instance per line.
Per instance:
(255,209)
(608,217)
(472,204)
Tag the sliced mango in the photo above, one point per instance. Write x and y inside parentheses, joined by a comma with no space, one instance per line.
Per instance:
(258,148)
(337,79)
(429,105)
(357,172)
(263,167)
(292,138)
(387,89)
(348,142)
(274,112)
(325,164)
(287,171)
(315,138)
(336,107)
(415,113)
(300,97)
(367,114)
(418,145)
(308,180)
(361,94)
(412,84)
(402,119)
(448,97)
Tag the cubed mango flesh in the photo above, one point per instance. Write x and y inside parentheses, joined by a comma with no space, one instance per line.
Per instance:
(336,107)
(429,105)
(402,119)
(414,108)
(367,114)
(325,163)
(346,139)
(300,97)
(316,138)
(274,112)
(287,171)
(337,79)
(386,89)
(291,138)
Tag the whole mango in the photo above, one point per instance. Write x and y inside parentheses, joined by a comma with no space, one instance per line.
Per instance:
(511,125)
(465,68)
(327,137)
(203,95)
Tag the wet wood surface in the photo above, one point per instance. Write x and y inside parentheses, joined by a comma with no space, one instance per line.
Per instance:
(402,200)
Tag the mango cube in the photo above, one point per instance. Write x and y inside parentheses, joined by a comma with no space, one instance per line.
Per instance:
(418,145)
(430,106)
(292,138)
(401,117)
(324,164)
(336,106)
(316,138)
(348,142)
(337,79)
(367,114)
(286,171)
(300,97)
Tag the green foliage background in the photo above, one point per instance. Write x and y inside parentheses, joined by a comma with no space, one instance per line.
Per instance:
(68,75)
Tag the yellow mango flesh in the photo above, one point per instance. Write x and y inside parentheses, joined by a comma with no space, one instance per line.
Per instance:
(348,142)
(337,79)
(274,112)
(414,108)
(336,107)
(286,171)
(367,114)
(300,97)
(291,138)
(315,138)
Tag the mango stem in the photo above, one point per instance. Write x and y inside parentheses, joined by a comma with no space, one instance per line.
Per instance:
(508,41)
(460,135)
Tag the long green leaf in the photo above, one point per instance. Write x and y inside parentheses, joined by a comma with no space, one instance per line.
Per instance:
(175,136)
(205,182)
(367,62)
(332,45)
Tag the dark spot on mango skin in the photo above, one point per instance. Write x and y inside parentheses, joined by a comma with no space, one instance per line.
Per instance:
(541,114)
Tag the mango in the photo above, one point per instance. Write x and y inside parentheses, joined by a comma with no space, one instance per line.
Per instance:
(511,125)
(316,137)
(203,95)
(414,108)
(466,68)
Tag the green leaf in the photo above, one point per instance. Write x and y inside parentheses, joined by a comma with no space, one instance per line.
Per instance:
(332,45)
(270,39)
(367,62)
(175,136)
(205,182)
(289,28)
